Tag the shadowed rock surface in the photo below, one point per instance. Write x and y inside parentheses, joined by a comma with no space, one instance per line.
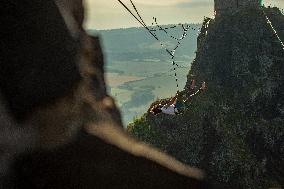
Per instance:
(234,130)
(59,127)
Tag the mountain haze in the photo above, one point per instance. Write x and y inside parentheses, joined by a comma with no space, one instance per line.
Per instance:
(139,70)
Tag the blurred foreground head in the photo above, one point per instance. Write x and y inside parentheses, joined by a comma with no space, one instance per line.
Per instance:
(62,129)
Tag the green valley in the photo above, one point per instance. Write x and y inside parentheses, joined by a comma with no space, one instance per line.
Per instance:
(139,71)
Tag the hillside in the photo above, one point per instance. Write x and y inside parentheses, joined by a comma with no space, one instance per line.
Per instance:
(139,71)
(137,43)
(235,129)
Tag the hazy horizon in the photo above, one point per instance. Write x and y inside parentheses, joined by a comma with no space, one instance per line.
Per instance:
(105,15)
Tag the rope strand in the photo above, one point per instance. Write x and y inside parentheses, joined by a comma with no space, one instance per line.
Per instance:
(160,28)
(273,29)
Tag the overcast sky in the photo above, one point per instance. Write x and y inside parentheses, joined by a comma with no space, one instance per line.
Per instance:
(109,14)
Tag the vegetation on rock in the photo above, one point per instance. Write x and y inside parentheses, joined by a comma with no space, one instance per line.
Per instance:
(235,129)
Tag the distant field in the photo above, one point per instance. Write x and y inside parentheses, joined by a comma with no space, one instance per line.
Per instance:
(115,80)
(140,68)
(148,82)
(121,95)
(139,71)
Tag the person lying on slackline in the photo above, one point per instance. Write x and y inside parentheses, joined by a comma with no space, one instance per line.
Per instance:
(176,106)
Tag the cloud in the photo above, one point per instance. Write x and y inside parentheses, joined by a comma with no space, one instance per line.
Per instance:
(105,14)
(195,4)
(160,2)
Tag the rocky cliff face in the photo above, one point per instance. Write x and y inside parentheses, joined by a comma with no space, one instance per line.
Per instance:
(229,7)
(234,130)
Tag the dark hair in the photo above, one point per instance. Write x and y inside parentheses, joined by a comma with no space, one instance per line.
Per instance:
(156,109)
(38,59)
